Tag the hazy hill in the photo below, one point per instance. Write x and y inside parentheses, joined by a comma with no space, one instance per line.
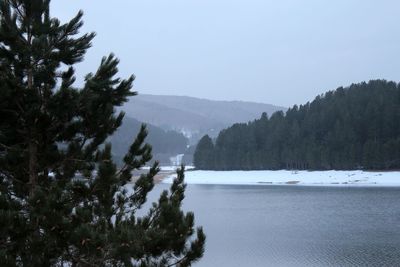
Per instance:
(165,143)
(194,116)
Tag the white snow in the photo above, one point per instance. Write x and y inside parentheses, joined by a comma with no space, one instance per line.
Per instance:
(287,177)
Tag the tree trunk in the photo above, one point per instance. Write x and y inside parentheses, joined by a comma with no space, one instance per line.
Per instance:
(33,175)
(33,146)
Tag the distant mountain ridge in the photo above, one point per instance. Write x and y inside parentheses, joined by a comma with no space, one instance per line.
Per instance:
(192,116)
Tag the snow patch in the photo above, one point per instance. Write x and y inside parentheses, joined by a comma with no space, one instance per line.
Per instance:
(287,177)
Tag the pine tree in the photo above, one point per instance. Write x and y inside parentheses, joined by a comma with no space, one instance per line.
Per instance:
(203,157)
(63,202)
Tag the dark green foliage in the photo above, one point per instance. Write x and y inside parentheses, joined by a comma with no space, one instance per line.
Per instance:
(350,128)
(203,157)
(63,202)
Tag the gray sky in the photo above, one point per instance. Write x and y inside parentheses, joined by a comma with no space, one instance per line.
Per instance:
(282,52)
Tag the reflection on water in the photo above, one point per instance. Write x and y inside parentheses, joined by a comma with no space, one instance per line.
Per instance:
(296,226)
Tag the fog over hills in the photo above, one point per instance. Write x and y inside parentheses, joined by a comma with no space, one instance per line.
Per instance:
(192,116)
(165,143)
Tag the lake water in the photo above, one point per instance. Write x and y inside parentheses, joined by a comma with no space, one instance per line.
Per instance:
(296,225)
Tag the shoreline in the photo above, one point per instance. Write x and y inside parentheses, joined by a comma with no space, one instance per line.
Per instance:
(162,175)
(165,172)
(292,178)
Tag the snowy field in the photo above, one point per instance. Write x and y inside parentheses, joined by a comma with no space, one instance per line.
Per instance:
(286,177)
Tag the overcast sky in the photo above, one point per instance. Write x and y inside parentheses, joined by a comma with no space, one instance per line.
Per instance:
(282,52)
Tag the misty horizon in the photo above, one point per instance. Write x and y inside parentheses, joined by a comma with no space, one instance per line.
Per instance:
(281,53)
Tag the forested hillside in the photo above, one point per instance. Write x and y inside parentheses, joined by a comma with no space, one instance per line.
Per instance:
(164,143)
(194,117)
(357,127)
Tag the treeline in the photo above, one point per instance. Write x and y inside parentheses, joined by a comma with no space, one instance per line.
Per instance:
(357,127)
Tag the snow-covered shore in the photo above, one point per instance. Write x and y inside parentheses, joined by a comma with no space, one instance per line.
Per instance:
(287,177)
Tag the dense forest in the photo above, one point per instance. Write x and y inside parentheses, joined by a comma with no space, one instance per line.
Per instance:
(357,127)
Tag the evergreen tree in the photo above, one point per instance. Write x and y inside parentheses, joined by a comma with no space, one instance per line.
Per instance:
(203,157)
(63,202)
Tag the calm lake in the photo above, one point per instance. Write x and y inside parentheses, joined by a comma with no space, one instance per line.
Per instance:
(296,225)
